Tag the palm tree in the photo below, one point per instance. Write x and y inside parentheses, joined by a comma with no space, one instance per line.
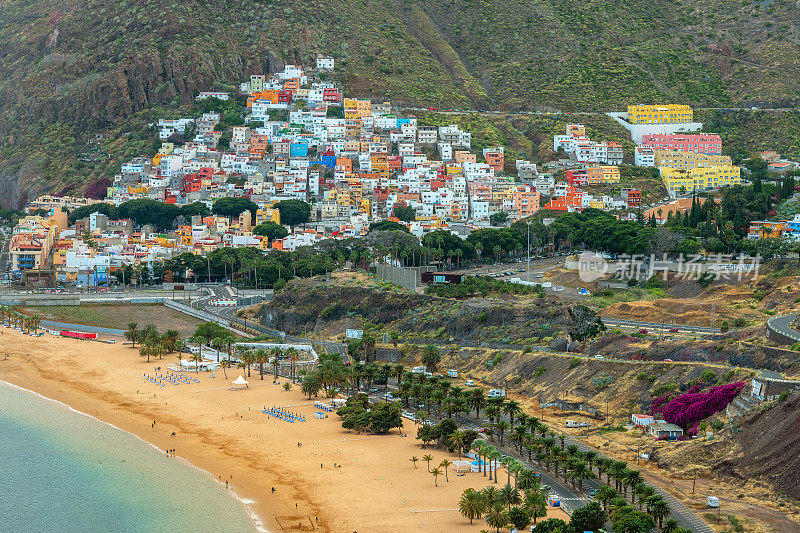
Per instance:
(275,365)
(580,472)
(495,456)
(491,495)
(459,405)
(659,510)
(293,356)
(131,333)
(224,364)
(145,351)
(670,526)
(171,338)
(509,495)
(617,471)
(394,337)
(590,457)
(477,446)
(414,461)
(197,358)
(445,464)
(535,501)
(276,354)
(436,473)
(519,434)
(644,491)
(501,426)
(262,356)
(527,478)
(631,479)
(428,458)
(605,494)
(497,516)
(476,401)
(472,504)
(512,408)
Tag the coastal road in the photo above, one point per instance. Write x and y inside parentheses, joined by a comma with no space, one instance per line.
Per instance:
(685,517)
(654,327)
(783,326)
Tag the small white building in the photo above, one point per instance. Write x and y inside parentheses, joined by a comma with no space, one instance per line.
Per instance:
(325,62)
(644,156)
(642,420)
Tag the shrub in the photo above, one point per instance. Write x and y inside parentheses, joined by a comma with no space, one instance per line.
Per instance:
(574,362)
(664,388)
(688,409)
(783,396)
(539,371)
(739,322)
(708,375)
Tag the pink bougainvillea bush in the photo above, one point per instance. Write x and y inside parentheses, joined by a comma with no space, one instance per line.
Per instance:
(690,408)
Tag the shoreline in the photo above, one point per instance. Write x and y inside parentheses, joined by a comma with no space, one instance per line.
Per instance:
(338,481)
(252,516)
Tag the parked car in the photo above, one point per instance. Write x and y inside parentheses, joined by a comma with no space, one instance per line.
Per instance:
(673,330)
(469,383)
(599,357)
(643,331)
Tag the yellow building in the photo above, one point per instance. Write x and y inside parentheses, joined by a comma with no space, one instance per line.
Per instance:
(687,160)
(355,108)
(660,114)
(576,130)
(268,214)
(603,174)
(677,180)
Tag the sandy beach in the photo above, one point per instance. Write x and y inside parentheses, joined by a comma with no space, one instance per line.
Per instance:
(225,433)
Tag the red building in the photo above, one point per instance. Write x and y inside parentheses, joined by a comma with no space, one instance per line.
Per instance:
(577,178)
(331,96)
(633,197)
(700,143)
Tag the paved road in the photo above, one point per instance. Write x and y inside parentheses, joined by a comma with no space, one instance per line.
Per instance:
(486,112)
(654,327)
(783,325)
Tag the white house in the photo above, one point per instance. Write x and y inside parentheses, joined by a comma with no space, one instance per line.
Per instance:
(644,156)
(325,62)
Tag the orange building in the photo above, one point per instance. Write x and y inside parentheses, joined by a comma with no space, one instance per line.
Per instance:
(496,160)
(259,145)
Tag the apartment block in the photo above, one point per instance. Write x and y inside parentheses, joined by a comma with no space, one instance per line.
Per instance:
(701,143)
(660,114)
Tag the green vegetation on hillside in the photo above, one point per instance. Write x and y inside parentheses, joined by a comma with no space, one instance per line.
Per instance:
(73,70)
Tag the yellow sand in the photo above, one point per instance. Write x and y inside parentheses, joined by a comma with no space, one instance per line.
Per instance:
(224,432)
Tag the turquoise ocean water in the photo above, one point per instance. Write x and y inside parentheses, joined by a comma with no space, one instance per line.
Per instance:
(64,471)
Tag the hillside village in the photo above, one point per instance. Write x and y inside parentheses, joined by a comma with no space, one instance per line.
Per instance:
(294,136)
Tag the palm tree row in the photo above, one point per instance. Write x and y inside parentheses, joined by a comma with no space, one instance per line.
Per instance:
(507,426)
(504,506)
(19,320)
(155,344)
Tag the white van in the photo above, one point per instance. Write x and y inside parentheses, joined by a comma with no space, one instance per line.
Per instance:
(469,383)
(497,393)
(452,373)
(571,423)
(418,370)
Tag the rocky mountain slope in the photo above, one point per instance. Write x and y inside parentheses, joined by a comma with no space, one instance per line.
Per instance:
(70,69)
